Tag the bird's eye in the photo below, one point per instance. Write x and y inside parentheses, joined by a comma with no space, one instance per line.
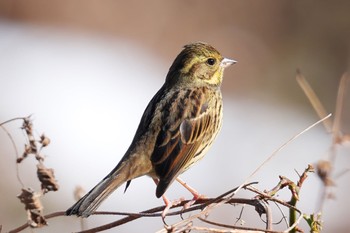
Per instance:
(211,61)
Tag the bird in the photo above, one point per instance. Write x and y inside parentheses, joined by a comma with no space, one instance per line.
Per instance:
(176,129)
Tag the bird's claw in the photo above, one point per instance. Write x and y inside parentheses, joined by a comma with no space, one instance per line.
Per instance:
(169,204)
(194,199)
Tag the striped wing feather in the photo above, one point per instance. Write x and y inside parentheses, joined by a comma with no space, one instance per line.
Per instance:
(176,148)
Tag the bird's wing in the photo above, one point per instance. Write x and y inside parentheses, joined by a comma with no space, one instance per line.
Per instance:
(179,141)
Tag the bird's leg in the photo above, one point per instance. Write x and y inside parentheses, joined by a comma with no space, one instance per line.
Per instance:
(167,202)
(195,193)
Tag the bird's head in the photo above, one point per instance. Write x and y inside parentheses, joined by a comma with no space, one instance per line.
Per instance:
(198,64)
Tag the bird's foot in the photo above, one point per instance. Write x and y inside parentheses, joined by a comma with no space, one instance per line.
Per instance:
(196,197)
(169,204)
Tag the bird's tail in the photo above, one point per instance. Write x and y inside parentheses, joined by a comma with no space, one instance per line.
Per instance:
(123,172)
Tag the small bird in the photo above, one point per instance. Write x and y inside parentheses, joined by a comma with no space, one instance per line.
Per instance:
(177,128)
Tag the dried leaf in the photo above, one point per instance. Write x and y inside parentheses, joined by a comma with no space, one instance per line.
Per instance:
(28,125)
(26,152)
(47,178)
(45,141)
(36,219)
(33,206)
(30,199)
(324,169)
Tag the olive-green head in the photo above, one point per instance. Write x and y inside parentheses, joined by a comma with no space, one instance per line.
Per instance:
(198,64)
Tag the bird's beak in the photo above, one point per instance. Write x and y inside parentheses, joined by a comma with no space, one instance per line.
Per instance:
(227,62)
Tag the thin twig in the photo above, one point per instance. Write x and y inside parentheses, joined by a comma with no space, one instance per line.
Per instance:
(268,216)
(237,227)
(240,215)
(152,212)
(295,224)
(289,206)
(284,217)
(339,108)
(340,174)
(16,152)
(13,119)
(267,197)
(220,200)
(279,149)
(314,100)
(26,225)
(215,230)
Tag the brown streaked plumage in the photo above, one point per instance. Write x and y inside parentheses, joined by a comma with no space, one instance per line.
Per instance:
(177,128)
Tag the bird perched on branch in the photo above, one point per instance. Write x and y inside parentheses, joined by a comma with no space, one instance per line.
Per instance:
(177,128)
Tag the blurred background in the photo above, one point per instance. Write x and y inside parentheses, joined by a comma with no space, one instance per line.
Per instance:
(87,69)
